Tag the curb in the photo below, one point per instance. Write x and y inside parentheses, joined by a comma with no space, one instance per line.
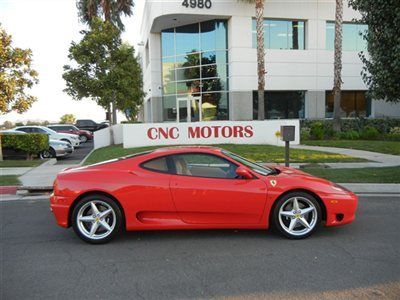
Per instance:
(86,157)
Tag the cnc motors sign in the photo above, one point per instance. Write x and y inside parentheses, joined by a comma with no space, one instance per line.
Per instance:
(223,132)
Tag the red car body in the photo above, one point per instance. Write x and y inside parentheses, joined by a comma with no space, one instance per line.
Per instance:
(155,201)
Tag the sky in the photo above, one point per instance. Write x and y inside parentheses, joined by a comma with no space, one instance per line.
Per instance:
(47,27)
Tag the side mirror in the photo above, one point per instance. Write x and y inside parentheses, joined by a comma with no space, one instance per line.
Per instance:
(244,173)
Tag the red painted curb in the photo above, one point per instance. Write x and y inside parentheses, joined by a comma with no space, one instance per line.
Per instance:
(8,190)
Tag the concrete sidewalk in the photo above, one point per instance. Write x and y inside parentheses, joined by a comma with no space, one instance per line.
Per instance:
(377,159)
(43,175)
(14,171)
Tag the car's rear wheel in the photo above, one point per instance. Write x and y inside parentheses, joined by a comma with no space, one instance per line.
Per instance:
(50,153)
(297,215)
(83,138)
(96,219)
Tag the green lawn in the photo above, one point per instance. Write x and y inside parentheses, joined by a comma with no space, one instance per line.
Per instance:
(388,147)
(363,175)
(9,180)
(260,153)
(20,163)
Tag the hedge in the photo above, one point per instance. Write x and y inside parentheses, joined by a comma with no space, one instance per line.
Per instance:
(32,143)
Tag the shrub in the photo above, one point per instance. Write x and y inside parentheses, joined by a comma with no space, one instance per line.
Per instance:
(394,134)
(370,133)
(32,143)
(317,131)
(305,134)
(350,135)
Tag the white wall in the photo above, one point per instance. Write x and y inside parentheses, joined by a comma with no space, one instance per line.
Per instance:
(102,138)
(221,132)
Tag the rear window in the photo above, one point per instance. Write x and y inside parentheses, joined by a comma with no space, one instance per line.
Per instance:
(157,165)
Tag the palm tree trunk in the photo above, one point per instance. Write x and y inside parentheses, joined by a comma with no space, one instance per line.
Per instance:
(1,150)
(260,58)
(337,84)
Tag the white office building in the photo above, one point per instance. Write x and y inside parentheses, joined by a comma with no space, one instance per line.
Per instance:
(199,61)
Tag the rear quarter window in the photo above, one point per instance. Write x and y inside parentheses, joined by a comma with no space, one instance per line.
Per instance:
(156,165)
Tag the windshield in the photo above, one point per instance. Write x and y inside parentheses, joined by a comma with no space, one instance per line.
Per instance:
(251,165)
(48,130)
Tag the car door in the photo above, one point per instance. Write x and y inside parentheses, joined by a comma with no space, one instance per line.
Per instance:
(206,190)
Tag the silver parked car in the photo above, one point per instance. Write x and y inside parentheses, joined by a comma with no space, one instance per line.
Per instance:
(57,149)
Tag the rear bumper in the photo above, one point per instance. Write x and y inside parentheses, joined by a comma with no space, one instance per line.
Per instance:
(60,207)
(340,209)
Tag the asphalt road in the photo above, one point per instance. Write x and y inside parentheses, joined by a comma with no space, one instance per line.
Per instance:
(42,260)
(78,154)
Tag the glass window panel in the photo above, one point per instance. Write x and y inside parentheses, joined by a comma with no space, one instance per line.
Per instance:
(214,71)
(188,60)
(167,41)
(214,85)
(281,104)
(330,35)
(169,108)
(353,104)
(187,39)
(361,42)
(188,73)
(221,36)
(350,34)
(215,106)
(169,88)
(189,87)
(168,71)
(278,34)
(208,35)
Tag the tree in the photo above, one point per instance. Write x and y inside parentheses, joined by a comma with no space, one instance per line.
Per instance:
(104,69)
(16,76)
(260,55)
(8,125)
(110,9)
(381,71)
(67,119)
(337,66)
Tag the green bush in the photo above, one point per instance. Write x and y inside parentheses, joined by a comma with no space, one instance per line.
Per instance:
(305,134)
(317,131)
(350,135)
(370,133)
(32,143)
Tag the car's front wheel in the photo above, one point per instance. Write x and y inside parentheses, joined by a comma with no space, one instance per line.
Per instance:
(45,154)
(96,219)
(83,138)
(297,215)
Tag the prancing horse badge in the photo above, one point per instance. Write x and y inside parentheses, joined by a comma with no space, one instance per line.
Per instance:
(273,182)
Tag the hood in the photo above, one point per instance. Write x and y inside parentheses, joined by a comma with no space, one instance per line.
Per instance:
(70,135)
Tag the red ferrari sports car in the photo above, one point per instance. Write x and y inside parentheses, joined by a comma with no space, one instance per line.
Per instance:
(195,188)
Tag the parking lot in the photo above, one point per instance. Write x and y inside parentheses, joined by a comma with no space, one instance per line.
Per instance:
(78,154)
(41,260)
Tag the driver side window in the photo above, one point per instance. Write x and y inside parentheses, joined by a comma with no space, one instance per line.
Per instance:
(204,165)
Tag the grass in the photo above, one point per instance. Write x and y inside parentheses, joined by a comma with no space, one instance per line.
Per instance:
(362,175)
(387,147)
(9,180)
(260,153)
(20,163)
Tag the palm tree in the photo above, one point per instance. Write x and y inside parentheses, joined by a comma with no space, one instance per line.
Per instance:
(260,55)
(337,82)
(112,11)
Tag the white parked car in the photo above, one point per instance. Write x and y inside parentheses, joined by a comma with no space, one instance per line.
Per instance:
(73,139)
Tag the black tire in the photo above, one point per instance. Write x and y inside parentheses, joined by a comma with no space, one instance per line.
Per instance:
(50,153)
(283,225)
(83,203)
(83,138)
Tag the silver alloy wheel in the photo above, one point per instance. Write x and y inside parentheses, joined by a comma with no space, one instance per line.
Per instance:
(83,138)
(96,219)
(298,216)
(45,154)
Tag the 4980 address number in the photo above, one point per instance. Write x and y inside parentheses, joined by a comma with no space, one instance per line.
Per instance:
(197,4)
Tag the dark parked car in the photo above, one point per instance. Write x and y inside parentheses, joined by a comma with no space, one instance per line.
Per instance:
(90,125)
(84,135)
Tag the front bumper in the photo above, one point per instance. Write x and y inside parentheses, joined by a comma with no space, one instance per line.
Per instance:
(340,208)
(60,207)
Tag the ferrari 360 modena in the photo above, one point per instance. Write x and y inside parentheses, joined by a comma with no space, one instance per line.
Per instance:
(195,188)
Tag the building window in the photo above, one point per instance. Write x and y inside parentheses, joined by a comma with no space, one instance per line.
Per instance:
(282,34)
(353,104)
(281,104)
(195,66)
(352,36)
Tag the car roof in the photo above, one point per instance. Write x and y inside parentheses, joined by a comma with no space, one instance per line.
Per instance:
(180,149)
